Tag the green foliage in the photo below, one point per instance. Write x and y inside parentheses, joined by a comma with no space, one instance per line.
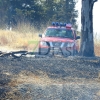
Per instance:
(37,11)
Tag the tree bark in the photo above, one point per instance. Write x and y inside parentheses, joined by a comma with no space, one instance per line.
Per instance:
(87,42)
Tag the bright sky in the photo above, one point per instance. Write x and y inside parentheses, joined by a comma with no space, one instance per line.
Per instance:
(96,16)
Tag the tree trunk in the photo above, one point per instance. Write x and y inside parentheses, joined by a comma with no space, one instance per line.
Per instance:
(87,43)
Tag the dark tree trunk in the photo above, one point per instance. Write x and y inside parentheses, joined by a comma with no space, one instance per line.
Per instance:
(87,43)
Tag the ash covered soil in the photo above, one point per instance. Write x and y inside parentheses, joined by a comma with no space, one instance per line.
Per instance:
(56,78)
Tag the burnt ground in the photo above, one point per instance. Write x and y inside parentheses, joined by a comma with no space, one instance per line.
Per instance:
(56,78)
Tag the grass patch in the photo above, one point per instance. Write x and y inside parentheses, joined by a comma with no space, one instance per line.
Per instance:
(97,48)
(17,40)
(23,37)
(35,43)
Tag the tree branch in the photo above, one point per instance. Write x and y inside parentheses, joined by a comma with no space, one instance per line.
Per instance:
(93,1)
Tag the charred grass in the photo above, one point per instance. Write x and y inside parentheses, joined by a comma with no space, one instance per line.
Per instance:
(25,78)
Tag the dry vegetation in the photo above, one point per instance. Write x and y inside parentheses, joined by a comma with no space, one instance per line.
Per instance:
(24,37)
(97,48)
